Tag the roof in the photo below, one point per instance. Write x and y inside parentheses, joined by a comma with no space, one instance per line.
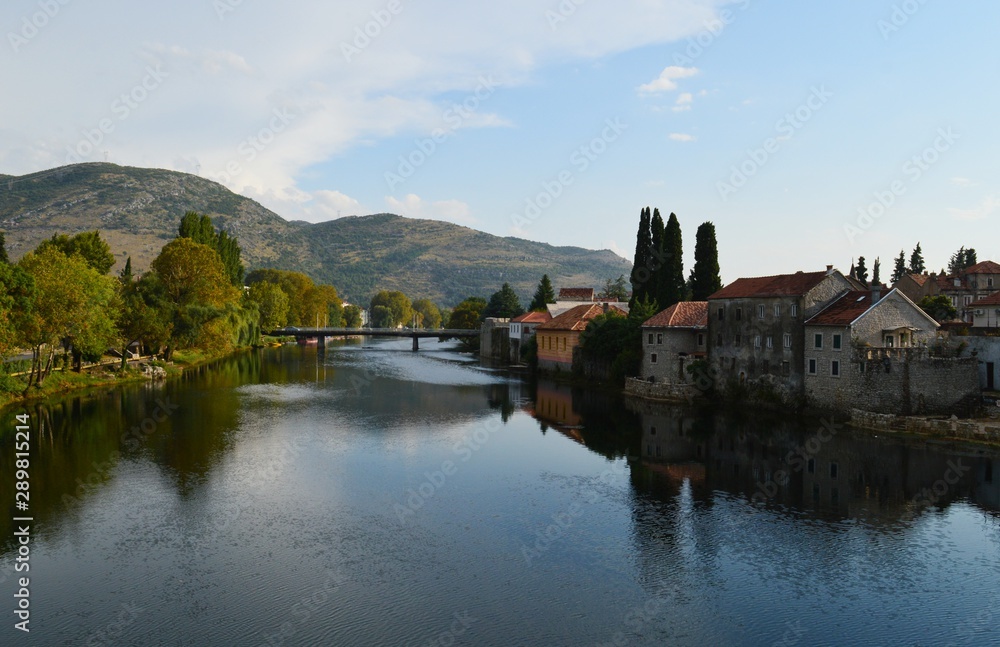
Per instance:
(986,267)
(991,300)
(577,318)
(844,310)
(919,279)
(533,317)
(685,314)
(782,285)
(577,294)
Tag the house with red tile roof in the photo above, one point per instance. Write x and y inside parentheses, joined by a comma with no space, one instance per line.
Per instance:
(559,337)
(756,335)
(522,328)
(576,294)
(972,284)
(986,312)
(672,339)
(917,286)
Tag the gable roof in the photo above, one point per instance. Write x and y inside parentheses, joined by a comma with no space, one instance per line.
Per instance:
(781,285)
(685,314)
(577,318)
(576,294)
(985,267)
(991,300)
(532,317)
(854,304)
(919,279)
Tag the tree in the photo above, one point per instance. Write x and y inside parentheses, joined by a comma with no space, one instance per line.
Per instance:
(899,271)
(398,303)
(352,316)
(272,304)
(200,229)
(705,278)
(640,263)
(144,315)
(917,261)
(503,304)
(466,315)
(308,303)
(615,290)
(960,260)
(543,295)
(657,255)
(876,272)
(861,271)
(89,245)
(671,287)
(4,259)
(381,317)
(939,307)
(17,300)
(428,314)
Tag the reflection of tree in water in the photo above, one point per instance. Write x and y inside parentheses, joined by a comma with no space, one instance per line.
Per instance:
(501,397)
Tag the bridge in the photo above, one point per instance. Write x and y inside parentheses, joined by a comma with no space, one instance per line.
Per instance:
(320,334)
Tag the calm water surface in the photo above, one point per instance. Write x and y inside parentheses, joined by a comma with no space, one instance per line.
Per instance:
(374,496)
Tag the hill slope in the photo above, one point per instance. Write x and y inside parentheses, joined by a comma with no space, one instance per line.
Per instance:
(138,210)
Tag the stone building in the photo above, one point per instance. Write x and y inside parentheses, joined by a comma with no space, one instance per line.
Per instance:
(559,337)
(917,286)
(522,328)
(672,339)
(974,283)
(756,334)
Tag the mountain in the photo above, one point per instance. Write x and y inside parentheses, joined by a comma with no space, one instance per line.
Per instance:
(137,211)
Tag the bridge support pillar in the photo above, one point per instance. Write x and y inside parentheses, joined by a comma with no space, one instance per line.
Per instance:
(416,343)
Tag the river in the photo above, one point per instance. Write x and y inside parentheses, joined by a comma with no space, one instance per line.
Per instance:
(370,495)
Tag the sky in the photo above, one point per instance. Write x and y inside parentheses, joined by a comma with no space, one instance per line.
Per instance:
(809,133)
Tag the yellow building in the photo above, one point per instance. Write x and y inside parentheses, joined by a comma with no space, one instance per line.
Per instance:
(557,338)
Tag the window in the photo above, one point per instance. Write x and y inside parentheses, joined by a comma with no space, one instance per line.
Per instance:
(564,343)
(659,338)
(811,466)
(818,340)
(902,339)
(777,310)
(736,340)
(760,311)
(650,338)
(788,340)
(836,341)
(812,367)
(718,340)
(834,469)
(770,341)
(785,369)
(889,341)
(652,358)
(989,282)
(756,341)
(739,314)
(795,310)
(701,339)
(722,313)
(835,368)
(968,300)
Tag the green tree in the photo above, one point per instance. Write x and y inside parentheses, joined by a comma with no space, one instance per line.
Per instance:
(398,303)
(144,313)
(671,285)
(615,290)
(960,260)
(640,263)
(543,295)
(352,316)
(200,229)
(272,304)
(467,314)
(504,304)
(861,271)
(657,256)
(89,245)
(382,317)
(876,272)
(899,271)
(428,314)
(939,307)
(917,261)
(4,259)
(17,301)
(705,279)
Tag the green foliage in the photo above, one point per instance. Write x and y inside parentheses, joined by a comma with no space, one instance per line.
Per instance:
(397,303)
(939,307)
(960,260)
(381,317)
(200,229)
(861,271)
(640,276)
(3,249)
(308,304)
(705,279)
(917,261)
(428,314)
(145,313)
(670,285)
(504,304)
(877,272)
(543,295)
(88,245)
(352,316)
(616,340)
(467,314)
(17,301)
(657,254)
(899,270)
(616,290)
(272,304)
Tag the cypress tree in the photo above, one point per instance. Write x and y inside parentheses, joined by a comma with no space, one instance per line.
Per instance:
(900,269)
(917,261)
(3,249)
(861,272)
(876,271)
(544,294)
(656,255)
(671,276)
(640,264)
(705,276)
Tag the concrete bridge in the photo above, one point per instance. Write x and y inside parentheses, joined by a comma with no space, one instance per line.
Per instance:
(320,334)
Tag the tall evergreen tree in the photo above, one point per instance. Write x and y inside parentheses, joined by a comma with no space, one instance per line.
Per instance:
(861,271)
(656,255)
(671,285)
(3,249)
(917,261)
(970,258)
(504,304)
(876,271)
(705,275)
(900,269)
(126,273)
(200,229)
(544,294)
(640,264)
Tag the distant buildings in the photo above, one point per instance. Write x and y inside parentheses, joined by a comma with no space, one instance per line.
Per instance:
(557,338)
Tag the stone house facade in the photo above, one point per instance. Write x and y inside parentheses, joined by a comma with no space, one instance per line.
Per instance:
(974,283)
(672,339)
(756,331)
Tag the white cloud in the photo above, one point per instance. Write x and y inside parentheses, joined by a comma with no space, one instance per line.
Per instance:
(986,208)
(682,137)
(613,246)
(413,206)
(666,82)
(963,182)
(683,102)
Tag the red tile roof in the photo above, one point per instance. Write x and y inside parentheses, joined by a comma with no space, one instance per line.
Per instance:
(919,279)
(844,310)
(991,300)
(686,314)
(986,267)
(577,318)
(782,285)
(576,294)
(532,317)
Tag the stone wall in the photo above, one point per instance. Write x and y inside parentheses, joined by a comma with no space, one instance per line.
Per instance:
(661,390)
(667,345)
(980,430)
(494,339)
(987,351)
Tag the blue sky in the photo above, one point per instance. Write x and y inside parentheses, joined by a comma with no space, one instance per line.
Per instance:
(808,132)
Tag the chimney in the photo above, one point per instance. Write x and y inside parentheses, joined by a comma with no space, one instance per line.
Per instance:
(829,270)
(605,304)
(876,292)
